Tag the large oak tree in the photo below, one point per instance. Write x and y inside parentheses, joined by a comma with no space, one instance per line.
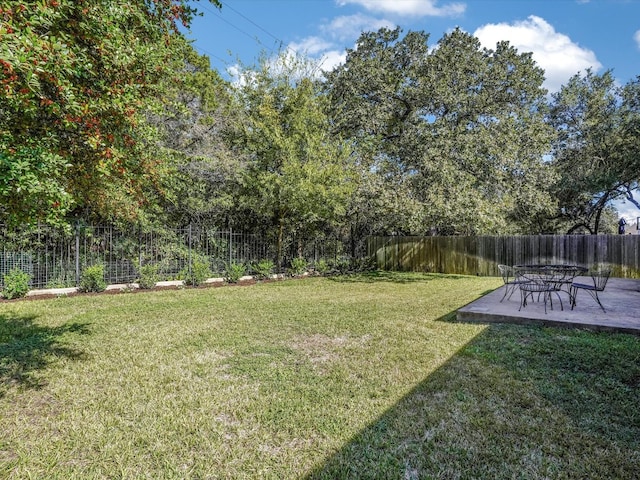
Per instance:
(455,134)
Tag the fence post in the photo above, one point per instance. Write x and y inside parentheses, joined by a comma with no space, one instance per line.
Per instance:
(77,253)
(230,245)
(189,256)
(139,246)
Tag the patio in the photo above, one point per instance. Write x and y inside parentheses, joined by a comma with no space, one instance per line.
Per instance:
(621,299)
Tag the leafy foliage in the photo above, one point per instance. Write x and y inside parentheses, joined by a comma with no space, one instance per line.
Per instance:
(16,284)
(451,140)
(297,178)
(92,279)
(597,150)
(298,266)
(234,272)
(148,275)
(263,269)
(198,272)
(77,79)
(321,267)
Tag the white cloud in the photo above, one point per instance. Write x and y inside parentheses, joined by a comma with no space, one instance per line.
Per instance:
(319,50)
(420,8)
(332,59)
(555,52)
(627,210)
(310,46)
(636,37)
(349,27)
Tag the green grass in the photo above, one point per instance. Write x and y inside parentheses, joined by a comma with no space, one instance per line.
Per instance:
(359,377)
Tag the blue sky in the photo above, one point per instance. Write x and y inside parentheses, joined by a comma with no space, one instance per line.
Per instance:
(565,36)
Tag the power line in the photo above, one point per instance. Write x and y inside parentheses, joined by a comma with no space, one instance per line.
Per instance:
(254,23)
(212,55)
(255,38)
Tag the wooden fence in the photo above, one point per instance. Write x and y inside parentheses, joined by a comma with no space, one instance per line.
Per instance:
(481,255)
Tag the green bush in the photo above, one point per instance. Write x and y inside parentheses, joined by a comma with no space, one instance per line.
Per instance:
(92,279)
(298,266)
(234,272)
(16,284)
(200,271)
(263,269)
(341,266)
(321,267)
(148,275)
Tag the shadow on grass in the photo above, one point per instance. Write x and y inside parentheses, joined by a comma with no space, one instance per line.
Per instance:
(516,402)
(26,348)
(394,277)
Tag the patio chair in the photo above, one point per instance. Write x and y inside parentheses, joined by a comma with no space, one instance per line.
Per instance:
(511,280)
(599,281)
(530,288)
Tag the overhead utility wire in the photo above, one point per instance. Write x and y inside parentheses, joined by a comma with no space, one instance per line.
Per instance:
(252,22)
(254,38)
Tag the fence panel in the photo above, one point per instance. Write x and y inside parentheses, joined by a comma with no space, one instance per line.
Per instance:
(57,257)
(481,255)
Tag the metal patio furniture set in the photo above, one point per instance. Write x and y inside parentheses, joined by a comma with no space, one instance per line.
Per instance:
(548,282)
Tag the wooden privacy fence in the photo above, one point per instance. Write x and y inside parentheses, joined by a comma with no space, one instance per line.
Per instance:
(481,255)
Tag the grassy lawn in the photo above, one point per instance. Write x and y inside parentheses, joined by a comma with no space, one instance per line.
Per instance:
(363,377)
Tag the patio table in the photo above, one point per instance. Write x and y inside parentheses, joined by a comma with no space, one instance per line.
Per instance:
(546,280)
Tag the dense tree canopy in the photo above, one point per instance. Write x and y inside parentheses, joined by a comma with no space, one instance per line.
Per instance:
(108,113)
(460,130)
(297,179)
(77,78)
(597,152)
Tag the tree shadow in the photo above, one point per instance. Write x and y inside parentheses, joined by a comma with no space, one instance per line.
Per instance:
(515,402)
(394,277)
(27,348)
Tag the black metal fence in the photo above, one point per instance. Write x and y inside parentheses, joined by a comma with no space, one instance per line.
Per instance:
(57,257)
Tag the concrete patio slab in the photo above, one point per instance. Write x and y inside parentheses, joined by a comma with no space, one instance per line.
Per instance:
(621,300)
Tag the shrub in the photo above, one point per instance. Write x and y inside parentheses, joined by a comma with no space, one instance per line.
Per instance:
(363,264)
(234,272)
(16,284)
(341,266)
(200,271)
(263,269)
(64,278)
(92,279)
(298,266)
(321,267)
(148,275)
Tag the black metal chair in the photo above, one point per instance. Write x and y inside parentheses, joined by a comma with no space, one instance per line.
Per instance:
(543,280)
(599,279)
(529,289)
(511,280)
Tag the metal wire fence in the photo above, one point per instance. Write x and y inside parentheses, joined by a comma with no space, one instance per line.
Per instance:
(57,257)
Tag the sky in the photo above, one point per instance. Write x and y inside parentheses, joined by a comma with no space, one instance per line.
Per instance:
(565,36)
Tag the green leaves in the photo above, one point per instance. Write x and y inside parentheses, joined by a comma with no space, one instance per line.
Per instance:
(297,178)
(78,79)
(597,151)
(455,134)
(32,185)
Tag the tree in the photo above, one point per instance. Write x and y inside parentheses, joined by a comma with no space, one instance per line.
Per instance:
(296,179)
(77,77)
(596,152)
(196,112)
(630,133)
(459,130)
